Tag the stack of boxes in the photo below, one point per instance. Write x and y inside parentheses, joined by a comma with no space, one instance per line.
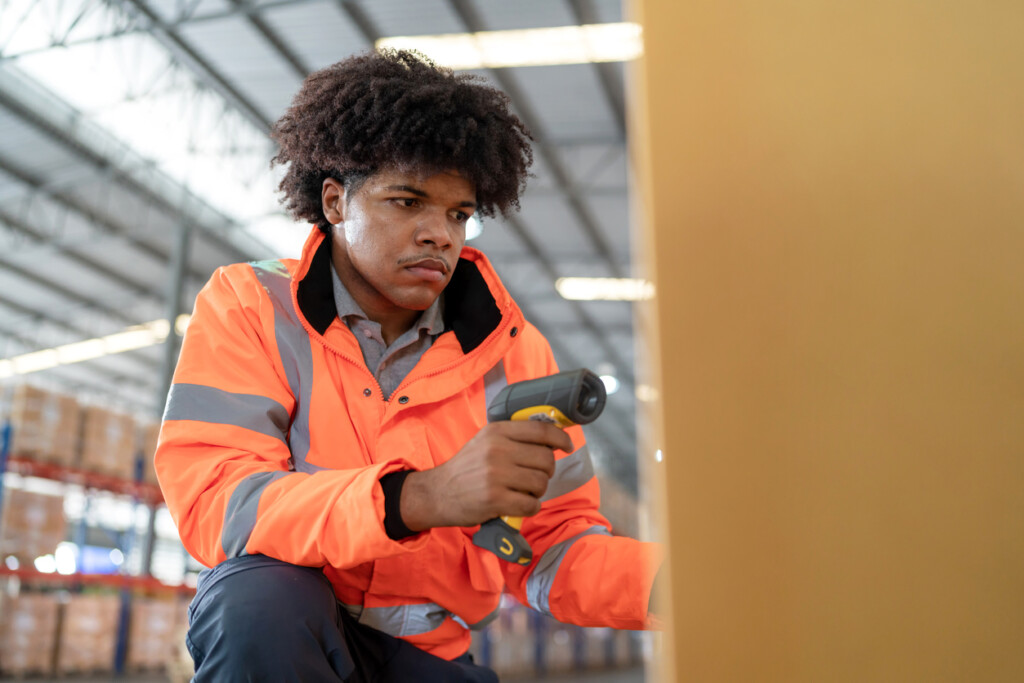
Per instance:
(108,443)
(53,428)
(47,632)
(88,633)
(28,633)
(154,626)
(46,425)
(33,525)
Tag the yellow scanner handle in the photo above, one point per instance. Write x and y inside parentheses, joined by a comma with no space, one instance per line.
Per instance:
(541,414)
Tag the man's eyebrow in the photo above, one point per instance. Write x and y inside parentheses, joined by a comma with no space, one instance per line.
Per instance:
(420,193)
(406,188)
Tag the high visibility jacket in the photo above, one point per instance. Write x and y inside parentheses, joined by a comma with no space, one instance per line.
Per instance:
(275,437)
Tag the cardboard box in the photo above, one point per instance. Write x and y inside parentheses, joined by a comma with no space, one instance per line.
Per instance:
(32,524)
(88,633)
(155,623)
(108,443)
(45,425)
(28,633)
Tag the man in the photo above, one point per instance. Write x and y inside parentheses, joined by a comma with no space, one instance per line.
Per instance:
(325,448)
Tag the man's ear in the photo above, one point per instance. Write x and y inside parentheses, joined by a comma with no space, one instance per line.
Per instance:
(332,196)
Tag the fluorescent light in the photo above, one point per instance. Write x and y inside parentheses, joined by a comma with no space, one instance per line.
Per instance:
(79,351)
(35,361)
(612,42)
(604,288)
(134,337)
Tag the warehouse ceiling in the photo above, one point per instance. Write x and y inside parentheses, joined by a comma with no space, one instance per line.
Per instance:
(134,130)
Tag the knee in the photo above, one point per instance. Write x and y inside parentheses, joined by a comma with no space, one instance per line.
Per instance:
(253,606)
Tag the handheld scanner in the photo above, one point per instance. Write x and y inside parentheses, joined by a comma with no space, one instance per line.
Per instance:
(576,397)
(566,399)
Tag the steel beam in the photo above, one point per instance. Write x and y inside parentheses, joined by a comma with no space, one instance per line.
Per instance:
(270,35)
(583,11)
(467,13)
(64,132)
(186,55)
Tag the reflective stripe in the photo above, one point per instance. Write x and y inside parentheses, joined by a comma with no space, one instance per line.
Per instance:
(494,381)
(401,620)
(293,348)
(240,516)
(538,586)
(412,620)
(482,624)
(208,404)
(571,472)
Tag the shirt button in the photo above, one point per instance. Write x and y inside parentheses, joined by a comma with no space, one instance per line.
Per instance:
(367,392)
(403,399)
(515,331)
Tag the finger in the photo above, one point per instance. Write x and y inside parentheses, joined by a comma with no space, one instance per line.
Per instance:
(531,481)
(538,458)
(537,432)
(519,505)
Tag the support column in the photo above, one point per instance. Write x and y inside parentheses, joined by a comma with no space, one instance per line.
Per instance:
(175,293)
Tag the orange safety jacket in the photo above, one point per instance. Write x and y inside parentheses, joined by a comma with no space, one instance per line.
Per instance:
(275,437)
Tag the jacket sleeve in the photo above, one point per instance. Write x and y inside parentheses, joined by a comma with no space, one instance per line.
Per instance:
(581,573)
(223,455)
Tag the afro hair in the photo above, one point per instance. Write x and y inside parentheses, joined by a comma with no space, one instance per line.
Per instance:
(396,108)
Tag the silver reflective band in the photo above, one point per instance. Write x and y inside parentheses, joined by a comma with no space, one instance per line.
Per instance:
(494,381)
(482,624)
(216,406)
(293,348)
(538,586)
(571,472)
(401,620)
(240,516)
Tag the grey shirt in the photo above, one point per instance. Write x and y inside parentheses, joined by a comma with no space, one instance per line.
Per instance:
(389,364)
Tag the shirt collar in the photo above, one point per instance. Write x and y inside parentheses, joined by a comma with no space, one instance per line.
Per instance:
(431,320)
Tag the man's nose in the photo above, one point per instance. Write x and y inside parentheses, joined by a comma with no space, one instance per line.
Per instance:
(433,229)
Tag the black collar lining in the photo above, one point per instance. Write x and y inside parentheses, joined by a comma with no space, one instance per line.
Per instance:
(470,310)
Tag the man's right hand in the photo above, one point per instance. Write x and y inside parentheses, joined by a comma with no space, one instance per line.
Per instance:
(503,470)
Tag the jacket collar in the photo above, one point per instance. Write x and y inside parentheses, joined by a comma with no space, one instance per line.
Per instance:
(474,304)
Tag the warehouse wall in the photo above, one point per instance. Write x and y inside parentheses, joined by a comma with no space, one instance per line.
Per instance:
(834,202)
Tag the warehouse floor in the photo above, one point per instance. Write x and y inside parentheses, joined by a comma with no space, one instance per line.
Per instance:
(630,675)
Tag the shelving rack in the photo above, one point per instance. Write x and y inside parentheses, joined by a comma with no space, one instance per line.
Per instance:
(140,492)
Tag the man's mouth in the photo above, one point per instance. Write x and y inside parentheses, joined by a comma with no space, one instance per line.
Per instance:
(430,269)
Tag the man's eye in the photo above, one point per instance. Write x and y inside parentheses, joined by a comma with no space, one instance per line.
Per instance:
(408,202)
(461,216)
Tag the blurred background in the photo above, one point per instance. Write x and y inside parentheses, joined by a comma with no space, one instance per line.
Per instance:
(134,160)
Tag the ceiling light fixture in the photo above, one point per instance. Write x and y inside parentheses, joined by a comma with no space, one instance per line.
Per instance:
(134,337)
(612,42)
(604,288)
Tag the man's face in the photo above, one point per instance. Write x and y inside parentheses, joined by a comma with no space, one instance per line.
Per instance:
(397,238)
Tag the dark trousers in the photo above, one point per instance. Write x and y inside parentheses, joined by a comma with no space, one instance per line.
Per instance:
(255,618)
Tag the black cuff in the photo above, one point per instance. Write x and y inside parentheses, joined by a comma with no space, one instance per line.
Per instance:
(393,525)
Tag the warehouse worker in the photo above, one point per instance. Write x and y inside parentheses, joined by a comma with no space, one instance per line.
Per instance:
(325,448)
